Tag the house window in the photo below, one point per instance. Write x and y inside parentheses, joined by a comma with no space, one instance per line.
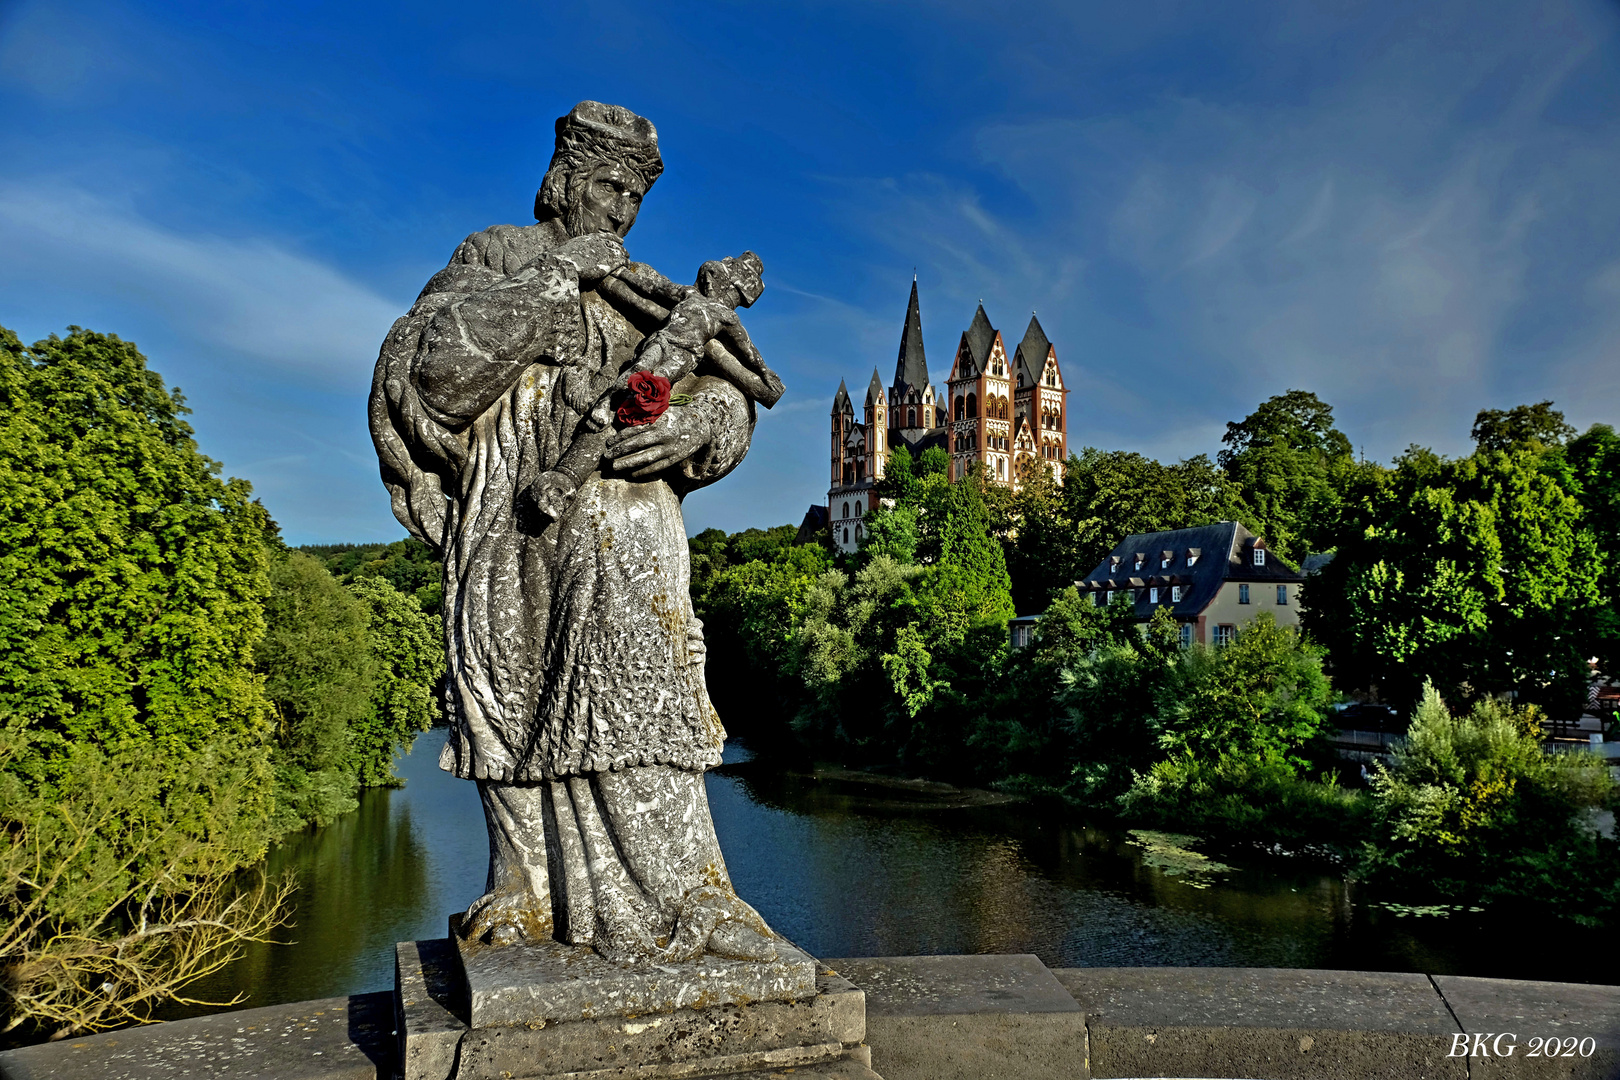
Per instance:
(1153,596)
(1282,594)
(1259,556)
(1139,559)
(1175,594)
(1110,596)
(1243,594)
(1225,634)
(1191,558)
(1186,635)
(1097,599)
(1164,563)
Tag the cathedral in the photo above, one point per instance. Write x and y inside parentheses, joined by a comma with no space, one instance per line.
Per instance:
(1007,414)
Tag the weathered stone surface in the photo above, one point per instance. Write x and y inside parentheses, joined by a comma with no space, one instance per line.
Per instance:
(848,1069)
(549,982)
(1536,1010)
(952,985)
(345,1038)
(1246,1022)
(968,1017)
(539,414)
(430,1003)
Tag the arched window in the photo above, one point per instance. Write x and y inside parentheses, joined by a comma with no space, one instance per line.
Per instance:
(846,509)
(961,406)
(973,405)
(911,416)
(857,514)
(857,532)
(846,536)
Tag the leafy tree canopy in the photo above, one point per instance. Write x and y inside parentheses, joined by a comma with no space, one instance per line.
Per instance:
(1523,427)
(131,575)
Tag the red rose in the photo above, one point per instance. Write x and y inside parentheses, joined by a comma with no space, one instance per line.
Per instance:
(647,400)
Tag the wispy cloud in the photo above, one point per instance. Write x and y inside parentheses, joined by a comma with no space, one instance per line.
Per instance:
(249,297)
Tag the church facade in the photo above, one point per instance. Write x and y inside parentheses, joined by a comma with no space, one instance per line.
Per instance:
(1007,413)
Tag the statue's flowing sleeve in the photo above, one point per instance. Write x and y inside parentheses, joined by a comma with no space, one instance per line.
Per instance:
(502,304)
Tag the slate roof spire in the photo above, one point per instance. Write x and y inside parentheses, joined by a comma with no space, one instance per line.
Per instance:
(841,402)
(1033,349)
(874,389)
(980,336)
(911,370)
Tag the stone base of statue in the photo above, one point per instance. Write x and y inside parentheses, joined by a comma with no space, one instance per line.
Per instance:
(552,1010)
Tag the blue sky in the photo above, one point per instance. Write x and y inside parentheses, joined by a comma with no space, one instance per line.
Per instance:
(1412,209)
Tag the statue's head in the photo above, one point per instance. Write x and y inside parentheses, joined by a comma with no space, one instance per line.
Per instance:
(735,282)
(606,160)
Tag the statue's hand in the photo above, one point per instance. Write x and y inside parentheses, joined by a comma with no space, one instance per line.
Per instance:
(594,256)
(550,493)
(671,439)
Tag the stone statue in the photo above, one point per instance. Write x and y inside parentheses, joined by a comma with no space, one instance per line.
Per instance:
(540,413)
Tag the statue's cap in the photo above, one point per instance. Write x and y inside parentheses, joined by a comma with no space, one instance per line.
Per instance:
(593,131)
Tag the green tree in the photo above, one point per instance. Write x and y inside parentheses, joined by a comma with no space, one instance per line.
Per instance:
(320,673)
(134,762)
(1478,574)
(1262,697)
(1523,427)
(1473,810)
(968,584)
(407,646)
(1291,465)
(131,575)
(1594,460)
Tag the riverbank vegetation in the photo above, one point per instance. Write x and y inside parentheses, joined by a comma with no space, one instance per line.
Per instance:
(1475,584)
(178,690)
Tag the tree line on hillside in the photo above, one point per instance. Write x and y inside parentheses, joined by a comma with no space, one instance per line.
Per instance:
(1467,592)
(178,689)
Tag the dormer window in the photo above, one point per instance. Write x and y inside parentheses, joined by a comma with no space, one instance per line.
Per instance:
(1175,594)
(1153,596)
(1259,556)
(1139,561)
(1192,558)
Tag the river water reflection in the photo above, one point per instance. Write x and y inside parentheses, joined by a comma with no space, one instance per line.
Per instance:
(847,869)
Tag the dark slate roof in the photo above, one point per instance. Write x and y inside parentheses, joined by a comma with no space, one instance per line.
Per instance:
(1315,562)
(1031,355)
(841,400)
(927,440)
(979,335)
(814,524)
(1224,554)
(911,369)
(874,389)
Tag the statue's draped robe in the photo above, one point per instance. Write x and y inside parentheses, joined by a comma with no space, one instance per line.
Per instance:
(568,640)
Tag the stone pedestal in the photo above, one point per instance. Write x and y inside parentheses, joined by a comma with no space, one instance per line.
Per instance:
(559,1011)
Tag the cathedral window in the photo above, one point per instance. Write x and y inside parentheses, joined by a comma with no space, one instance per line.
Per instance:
(846,509)
(961,407)
(973,405)
(857,509)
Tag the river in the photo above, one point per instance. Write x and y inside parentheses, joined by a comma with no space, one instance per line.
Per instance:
(845,868)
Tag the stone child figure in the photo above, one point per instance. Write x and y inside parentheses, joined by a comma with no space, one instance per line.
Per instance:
(575,691)
(699,316)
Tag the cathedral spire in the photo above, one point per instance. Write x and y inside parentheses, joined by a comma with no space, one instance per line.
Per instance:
(911,370)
